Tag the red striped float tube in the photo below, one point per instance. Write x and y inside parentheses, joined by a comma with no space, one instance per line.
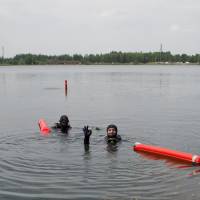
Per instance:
(43,126)
(195,159)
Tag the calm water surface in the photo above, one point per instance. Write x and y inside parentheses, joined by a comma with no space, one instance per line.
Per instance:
(150,104)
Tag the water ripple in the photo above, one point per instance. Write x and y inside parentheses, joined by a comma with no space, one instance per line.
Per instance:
(153,105)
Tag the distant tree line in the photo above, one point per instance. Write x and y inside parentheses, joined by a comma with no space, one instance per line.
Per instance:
(106,58)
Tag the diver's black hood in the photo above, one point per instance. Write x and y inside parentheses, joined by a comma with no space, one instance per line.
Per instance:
(64,118)
(112,126)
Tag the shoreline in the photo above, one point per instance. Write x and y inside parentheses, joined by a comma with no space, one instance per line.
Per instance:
(99,64)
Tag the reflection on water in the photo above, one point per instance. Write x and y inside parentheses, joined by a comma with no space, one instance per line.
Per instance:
(153,104)
(169,161)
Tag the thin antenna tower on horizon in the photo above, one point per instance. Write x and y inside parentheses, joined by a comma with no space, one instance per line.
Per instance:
(3,52)
(161,50)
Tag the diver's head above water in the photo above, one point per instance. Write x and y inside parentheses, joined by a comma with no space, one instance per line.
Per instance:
(111,131)
(64,123)
(64,118)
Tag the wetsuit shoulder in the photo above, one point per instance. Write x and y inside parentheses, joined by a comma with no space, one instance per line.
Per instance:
(119,137)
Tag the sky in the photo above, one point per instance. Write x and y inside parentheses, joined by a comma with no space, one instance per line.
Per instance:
(56,27)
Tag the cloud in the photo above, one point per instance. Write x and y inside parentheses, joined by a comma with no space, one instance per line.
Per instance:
(186,29)
(174,28)
(84,26)
(114,13)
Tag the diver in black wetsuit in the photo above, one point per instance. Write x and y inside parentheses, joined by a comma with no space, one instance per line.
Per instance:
(111,138)
(63,124)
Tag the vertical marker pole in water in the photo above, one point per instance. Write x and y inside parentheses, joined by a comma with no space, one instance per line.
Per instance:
(65,87)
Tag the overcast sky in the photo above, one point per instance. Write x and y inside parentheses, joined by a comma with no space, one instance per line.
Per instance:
(56,27)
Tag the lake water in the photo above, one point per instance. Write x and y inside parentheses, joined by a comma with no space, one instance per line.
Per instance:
(156,105)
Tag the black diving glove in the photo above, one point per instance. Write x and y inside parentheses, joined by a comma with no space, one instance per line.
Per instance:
(87,133)
(112,140)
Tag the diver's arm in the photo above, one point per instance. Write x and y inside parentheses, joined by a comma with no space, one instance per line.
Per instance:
(86,141)
(56,125)
(119,138)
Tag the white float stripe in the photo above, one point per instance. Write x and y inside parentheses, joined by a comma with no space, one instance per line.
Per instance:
(194,157)
(136,143)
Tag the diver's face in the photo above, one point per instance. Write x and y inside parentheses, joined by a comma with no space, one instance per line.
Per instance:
(64,124)
(111,132)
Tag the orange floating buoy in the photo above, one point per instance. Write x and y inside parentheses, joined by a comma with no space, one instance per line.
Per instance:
(186,157)
(43,126)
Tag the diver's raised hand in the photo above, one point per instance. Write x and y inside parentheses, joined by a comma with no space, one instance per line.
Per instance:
(112,140)
(87,133)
